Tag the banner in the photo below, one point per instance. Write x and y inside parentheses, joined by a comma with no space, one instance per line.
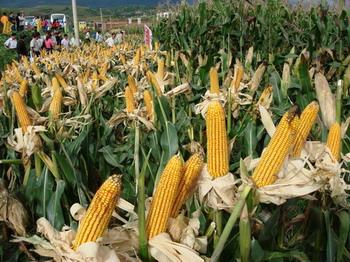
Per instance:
(147,32)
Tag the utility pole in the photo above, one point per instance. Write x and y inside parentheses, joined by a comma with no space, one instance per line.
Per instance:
(101,16)
(75,22)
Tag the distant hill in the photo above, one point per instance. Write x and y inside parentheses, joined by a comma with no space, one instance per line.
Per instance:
(87,3)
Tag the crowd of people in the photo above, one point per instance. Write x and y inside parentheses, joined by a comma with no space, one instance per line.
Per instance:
(55,40)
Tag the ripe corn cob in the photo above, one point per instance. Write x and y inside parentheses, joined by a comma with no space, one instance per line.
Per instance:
(86,76)
(129,100)
(137,57)
(23,87)
(155,83)
(160,70)
(214,81)
(265,96)
(21,111)
(35,69)
(94,80)
(122,59)
(55,84)
(192,169)
(99,213)
(164,197)
(307,120)
(276,152)
(147,98)
(237,76)
(56,103)
(217,145)
(61,81)
(334,140)
(17,74)
(132,84)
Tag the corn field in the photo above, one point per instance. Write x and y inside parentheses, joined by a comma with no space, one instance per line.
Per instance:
(228,141)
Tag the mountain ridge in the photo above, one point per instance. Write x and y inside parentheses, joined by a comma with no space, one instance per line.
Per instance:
(84,3)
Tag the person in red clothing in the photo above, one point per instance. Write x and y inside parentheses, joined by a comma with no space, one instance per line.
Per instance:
(48,43)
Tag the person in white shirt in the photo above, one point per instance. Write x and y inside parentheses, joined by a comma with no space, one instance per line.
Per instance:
(111,40)
(35,45)
(11,43)
(98,37)
(119,38)
(65,42)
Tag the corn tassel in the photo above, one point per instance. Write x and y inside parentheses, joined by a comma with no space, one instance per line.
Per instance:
(276,152)
(23,87)
(147,98)
(217,145)
(56,103)
(129,100)
(334,140)
(61,81)
(21,111)
(99,213)
(214,81)
(164,197)
(188,181)
(307,120)
(132,84)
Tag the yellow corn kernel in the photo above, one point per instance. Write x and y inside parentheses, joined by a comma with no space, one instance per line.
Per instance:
(147,98)
(23,87)
(56,103)
(276,152)
(164,197)
(334,140)
(129,100)
(61,81)
(160,70)
(217,144)
(237,76)
(214,81)
(99,213)
(192,169)
(21,111)
(132,84)
(307,120)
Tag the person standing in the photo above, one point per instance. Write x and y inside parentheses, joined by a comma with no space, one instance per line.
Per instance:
(111,40)
(35,45)
(21,21)
(6,27)
(21,47)
(38,24)
(11,43)
(65,42)
(48,43)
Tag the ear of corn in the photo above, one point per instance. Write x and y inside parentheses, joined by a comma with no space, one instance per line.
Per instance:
(192,169)
(99,213)
(35,69)
(164,197)
(160,70)
(307,120)
(21,111)
(154,82)
(276,152)
(217,144)
(95,80)
(147,98)
(132,84)
(137,57)
(56,104)
(129,100)
(55,84)
(237,76)
(61,81)
(334,140)
(23,87)
(214,81)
